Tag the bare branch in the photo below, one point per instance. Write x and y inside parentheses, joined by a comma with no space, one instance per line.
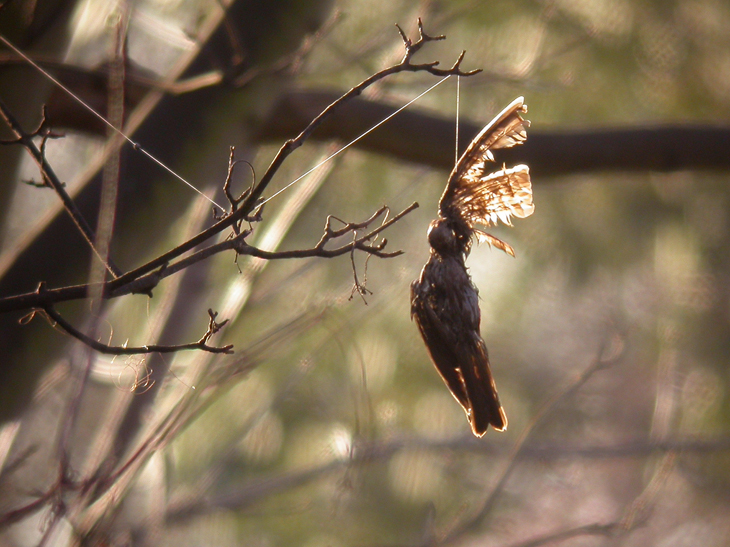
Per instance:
(145,283)
(251,202)
(357,287)
(201,344)
(256,490)
(423,38)
(360,243)
(418,137)
(49,176)
(232,162)
(16,515)
(404,66)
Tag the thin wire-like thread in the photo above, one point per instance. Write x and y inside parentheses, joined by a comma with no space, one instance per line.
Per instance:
(458,98)
(373,128)
(137,147)
(78,99)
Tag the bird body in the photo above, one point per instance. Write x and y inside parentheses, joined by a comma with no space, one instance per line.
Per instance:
(445,306)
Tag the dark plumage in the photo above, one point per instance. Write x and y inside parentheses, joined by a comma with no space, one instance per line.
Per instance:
(444,301)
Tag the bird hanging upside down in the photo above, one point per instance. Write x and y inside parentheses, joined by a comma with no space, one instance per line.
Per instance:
(444,301)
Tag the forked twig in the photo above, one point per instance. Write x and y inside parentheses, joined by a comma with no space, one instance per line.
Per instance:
(213,327)
(233,200)
(50,178)
(361,243)
(405,65)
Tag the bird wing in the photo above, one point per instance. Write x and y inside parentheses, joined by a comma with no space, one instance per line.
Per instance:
(480,195)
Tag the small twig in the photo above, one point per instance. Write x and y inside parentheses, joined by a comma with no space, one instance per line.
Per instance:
(43,131)
(404,66)
(361,288)
(49,176)
(239,244)
(16,515)
(360,243)
(34,184)
(348,227)
(233,200)
(358,287)
(201,344)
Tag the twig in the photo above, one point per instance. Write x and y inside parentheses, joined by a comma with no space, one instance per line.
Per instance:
(239,244)
(40,299)
(361,288)
(357,287)
(16,515)
(232,162)
(49,176)
(201,344)
(318,250)
(120,285)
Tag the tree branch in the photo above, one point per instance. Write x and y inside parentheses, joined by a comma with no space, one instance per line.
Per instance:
(238,243)
(201,344)
(39,299)
(49,176)
(419,137)
(404,66)
(251,202)
(258,489)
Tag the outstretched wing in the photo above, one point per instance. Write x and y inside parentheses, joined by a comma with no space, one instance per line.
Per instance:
(479,195)
(495,196)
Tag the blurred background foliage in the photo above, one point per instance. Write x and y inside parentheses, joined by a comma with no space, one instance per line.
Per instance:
(329,426)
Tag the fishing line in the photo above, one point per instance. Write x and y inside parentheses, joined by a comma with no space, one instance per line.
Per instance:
(458,99)
(373,128)
(78,99)
(139,148)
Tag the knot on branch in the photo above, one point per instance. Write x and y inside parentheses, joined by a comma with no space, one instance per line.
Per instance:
(144,284)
